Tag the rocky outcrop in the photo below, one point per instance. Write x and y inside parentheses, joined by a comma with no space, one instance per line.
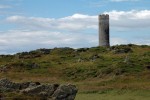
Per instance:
(65,92)
(49,91)
(8,86)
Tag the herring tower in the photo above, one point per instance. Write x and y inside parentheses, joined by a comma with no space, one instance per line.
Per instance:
(104,30)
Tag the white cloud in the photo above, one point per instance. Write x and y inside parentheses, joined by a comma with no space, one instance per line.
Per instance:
(74,22)
(22,40)
(120,19)
(130,19)
(116,40)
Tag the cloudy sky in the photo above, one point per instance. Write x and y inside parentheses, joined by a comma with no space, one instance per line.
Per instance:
(31,24)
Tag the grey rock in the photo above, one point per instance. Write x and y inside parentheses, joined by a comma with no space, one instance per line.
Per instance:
(33,90)
(33,84)
(41,90)
(24,85)
(65,92)
(48,91)
(7,85)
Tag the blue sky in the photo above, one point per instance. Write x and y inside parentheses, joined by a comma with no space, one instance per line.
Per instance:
(31,24)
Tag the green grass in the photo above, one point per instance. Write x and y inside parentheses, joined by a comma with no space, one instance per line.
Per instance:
(115,95)
(121,67)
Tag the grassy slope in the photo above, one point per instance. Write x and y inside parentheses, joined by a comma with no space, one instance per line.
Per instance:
(117,68)
(116,95)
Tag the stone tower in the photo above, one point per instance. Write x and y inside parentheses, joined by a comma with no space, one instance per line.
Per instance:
(104,30)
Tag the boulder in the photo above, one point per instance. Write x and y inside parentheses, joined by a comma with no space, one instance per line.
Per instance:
(48,91)
(65,92)
(6,85)
(41,90)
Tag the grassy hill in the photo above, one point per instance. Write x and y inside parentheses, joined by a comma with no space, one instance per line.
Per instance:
(97,71)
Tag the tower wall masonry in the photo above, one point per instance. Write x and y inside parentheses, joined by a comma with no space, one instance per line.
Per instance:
(104,30)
